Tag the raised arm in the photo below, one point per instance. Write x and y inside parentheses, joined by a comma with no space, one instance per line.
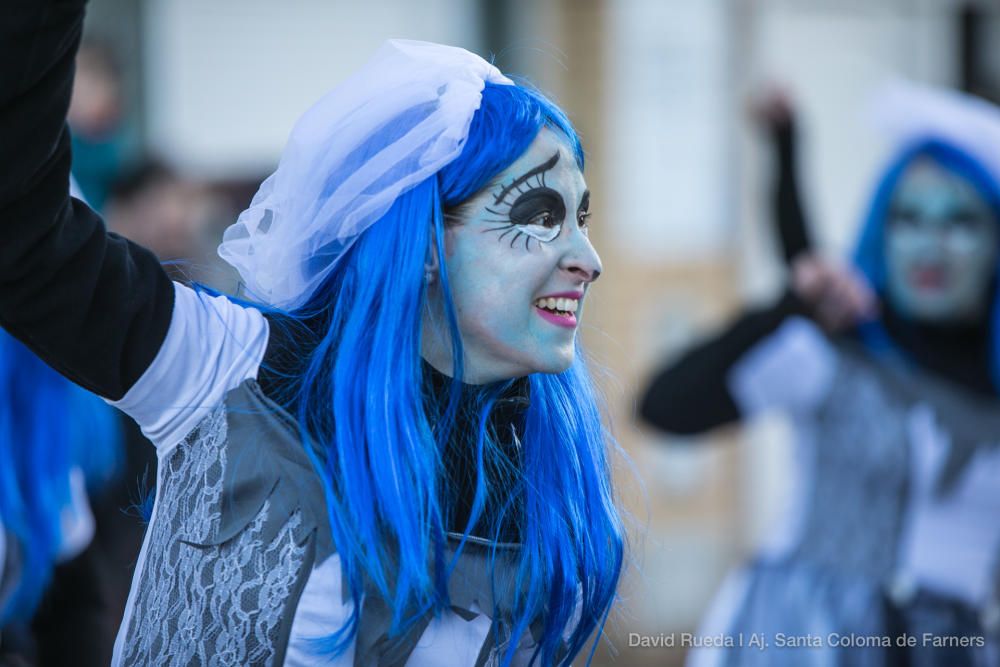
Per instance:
(695,392)
(91,304)
(789,214)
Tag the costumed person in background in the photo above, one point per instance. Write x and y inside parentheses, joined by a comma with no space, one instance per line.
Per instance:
(396,456)
(58,445)
(891,523)
(151,204)
(96,116)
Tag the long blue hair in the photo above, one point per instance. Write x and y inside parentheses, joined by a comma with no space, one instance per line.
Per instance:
(48,426)
(869,255)
(364,417)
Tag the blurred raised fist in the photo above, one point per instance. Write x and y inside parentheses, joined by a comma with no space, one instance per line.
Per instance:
(836,293)
(772,107)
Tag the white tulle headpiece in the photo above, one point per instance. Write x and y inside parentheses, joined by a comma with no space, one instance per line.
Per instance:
(394,123)
(909,112)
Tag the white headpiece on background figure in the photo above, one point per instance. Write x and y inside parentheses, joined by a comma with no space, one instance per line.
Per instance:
(909,112)
(394,123)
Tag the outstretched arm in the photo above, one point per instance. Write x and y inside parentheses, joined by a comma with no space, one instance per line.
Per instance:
(91,304)
(96,307)
(692,395)
(695,393)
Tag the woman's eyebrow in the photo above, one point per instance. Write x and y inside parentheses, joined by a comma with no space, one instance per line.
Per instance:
(542,168)
(584,200)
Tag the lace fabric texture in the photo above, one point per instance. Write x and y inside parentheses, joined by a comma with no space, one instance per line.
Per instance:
(858,503)
(239,524)
(200,603)
(859,476)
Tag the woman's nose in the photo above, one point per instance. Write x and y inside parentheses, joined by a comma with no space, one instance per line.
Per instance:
(581,259)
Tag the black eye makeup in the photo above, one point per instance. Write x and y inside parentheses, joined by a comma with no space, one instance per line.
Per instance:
(540,206)
(901,215)
(911,217)
(527,208)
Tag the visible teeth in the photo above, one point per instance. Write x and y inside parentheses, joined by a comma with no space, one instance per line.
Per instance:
(563,305)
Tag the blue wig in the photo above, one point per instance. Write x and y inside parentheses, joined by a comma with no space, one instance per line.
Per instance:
(870,253)
(48,426)
(364,417)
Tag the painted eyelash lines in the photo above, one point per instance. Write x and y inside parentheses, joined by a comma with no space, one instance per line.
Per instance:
(539,170)
(538,212)
(520,229)
(521,185)
(517,234)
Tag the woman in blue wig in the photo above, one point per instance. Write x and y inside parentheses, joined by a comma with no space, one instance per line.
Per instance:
(391,453)
(888,553)
(58,443)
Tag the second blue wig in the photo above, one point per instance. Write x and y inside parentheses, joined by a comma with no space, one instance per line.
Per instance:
(870,252)
(48,426)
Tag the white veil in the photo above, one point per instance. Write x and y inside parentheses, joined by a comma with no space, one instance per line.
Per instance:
(395,122)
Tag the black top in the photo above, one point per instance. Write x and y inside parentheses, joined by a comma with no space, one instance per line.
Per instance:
(93,305)
(501,470)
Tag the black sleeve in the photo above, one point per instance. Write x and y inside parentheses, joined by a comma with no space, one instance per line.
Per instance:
(94,306)
(793,228)
(691,394)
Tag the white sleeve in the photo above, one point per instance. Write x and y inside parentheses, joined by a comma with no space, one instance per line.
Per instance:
(211,347)
(792,369)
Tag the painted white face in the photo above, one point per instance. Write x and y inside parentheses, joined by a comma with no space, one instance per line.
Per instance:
(519,264)
(941,246)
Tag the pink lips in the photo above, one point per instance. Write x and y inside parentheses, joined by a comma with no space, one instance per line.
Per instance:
(568,321)
(929,278)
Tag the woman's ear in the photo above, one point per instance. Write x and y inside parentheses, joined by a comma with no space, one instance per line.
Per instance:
(431,263)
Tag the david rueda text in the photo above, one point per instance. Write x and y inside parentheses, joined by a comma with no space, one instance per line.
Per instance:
(691,640)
